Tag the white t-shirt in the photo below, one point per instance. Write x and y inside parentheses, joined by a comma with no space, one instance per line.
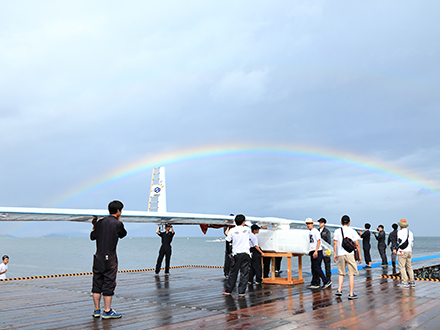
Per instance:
(314,237)
(239,236)
(2,268)
(403,235)
(253,240)
(348,232)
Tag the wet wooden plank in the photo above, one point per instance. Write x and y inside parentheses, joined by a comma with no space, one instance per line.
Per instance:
(429,319)
(192,298)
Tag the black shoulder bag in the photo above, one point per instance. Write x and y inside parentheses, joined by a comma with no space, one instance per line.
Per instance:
(347,243)
(404,245)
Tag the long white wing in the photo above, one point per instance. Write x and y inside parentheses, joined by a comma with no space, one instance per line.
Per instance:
(86,215)
(157,202)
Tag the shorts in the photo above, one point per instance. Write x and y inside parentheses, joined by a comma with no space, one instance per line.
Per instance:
(349,262)
(104,274)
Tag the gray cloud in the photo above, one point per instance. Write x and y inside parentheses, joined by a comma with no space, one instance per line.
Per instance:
(90,87)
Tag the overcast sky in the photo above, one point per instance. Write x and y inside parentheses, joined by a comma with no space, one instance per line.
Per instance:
(89,87)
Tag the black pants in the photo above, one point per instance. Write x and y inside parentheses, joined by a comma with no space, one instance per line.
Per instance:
(165,251)
(241,263)
(105,269)
(393,258)
(328,267)
(317,272)
(367,255)
(383,254)
(255,269)
(266,265)
(227,264)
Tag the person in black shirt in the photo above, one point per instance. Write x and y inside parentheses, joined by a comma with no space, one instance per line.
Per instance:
(381,245)
(327,237)
(106,232)
(366,246)
(392,239)
(228,253)
(165,249)
(255,269)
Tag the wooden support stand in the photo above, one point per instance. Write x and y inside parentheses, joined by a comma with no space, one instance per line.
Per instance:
(282,280)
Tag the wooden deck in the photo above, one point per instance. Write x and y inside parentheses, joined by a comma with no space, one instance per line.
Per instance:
(191,298)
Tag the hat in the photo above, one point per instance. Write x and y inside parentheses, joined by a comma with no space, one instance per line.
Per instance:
(402,223)
(322,220)
(255,227)
(167,225)
(309,220)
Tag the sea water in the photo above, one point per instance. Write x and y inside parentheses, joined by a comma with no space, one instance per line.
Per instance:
(63,255)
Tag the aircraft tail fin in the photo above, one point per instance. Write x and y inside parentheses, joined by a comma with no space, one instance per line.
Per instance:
(157,201)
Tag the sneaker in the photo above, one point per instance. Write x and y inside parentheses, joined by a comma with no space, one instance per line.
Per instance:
(338,293)
(97,313)
(250,283)
(242,294)
(311,286)
(167,273)
(403,285)
(384,266)
(326,285)
(352,297)
(367,267)
(111,314)
(412,284)
(226,293)
(257,283)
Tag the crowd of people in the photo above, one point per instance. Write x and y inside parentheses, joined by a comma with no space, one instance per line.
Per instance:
(243,255)
(400,243)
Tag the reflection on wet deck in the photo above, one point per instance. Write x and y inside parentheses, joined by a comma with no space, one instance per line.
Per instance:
(191,298)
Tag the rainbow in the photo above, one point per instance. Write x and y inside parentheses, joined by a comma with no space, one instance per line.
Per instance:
(224,151)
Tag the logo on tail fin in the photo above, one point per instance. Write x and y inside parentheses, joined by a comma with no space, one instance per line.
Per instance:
(157,201)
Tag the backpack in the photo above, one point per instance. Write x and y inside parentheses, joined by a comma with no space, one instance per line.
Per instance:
(347,243)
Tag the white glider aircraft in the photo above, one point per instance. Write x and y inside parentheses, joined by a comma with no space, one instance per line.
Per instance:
(283,235)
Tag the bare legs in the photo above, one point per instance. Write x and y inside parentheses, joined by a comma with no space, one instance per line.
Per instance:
(107,301)
(350,283)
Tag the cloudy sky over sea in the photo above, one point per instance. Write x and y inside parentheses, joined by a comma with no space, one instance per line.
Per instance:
(292,109)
